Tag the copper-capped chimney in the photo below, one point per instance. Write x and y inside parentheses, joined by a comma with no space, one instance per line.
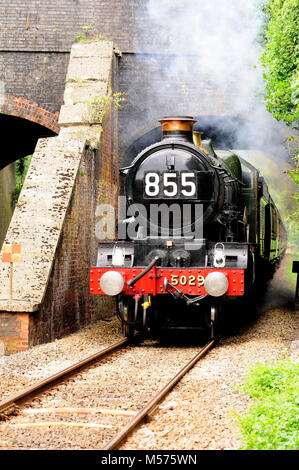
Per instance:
(178,127)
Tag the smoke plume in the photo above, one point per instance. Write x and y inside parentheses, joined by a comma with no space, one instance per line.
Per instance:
(207,50)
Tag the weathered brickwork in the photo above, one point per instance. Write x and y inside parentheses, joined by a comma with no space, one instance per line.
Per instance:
(14,329)
(39,77)
(40,25)
(36,39)
(67,306)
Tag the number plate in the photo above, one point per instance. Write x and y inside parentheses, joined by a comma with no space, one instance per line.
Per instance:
(179,280)
(170,185)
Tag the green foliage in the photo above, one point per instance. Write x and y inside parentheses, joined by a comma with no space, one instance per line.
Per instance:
(295,174)
(282,189)
(264,379)
(80,37)
(22,166)
(280,59)
(272,421)
(88,27)
(294,216)
(89,35)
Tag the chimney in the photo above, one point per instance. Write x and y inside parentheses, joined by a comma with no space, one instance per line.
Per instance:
(180,127)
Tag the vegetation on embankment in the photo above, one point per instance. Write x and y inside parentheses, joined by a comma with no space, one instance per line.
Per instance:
(280,58)
(272,420)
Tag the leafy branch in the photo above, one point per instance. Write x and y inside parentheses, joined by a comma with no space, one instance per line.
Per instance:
(22,166)
(280,59)
(294,175)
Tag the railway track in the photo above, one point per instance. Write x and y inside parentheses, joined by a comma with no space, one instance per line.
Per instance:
(13,402)
(153,403)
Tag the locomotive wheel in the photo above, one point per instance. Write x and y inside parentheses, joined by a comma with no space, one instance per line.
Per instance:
(145,319)
(126,309)
(127,330)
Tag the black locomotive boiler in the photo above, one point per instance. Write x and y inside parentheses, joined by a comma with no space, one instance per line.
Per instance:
(200,229)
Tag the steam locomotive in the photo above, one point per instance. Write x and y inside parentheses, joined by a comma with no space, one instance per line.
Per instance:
(199,228)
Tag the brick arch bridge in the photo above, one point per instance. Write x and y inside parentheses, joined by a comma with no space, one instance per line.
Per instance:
(23,122)
(35,44)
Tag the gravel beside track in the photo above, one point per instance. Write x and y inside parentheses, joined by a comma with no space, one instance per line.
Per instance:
(197,414)
(200,412)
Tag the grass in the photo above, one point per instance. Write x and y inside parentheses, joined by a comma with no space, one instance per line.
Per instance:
(88,36)
(22,166)
(272,422)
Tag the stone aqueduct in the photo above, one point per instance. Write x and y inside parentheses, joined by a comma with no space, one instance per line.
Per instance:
(69,176)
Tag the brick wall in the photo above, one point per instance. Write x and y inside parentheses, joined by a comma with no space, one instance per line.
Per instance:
(40,25)
(36,39)
(14,330)
(39,77)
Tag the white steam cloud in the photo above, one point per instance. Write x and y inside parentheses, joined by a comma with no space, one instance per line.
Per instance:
(220,34)
(211,52)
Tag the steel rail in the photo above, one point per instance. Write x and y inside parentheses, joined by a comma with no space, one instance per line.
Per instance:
(29,392)
(151,405)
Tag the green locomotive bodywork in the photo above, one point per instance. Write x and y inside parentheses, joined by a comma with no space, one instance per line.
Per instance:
(266,228)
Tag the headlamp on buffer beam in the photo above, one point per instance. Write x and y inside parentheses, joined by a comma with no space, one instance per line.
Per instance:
(112,283)
(216,284)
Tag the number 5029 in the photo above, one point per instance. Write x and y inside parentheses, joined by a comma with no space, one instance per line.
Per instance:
(183,280)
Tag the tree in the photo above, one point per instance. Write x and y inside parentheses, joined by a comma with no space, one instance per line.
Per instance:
(280,59)
(294,217)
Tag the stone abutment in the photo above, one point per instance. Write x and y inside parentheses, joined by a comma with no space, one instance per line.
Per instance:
(69,176)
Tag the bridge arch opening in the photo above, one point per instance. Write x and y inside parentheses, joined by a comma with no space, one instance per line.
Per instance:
(22,123)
